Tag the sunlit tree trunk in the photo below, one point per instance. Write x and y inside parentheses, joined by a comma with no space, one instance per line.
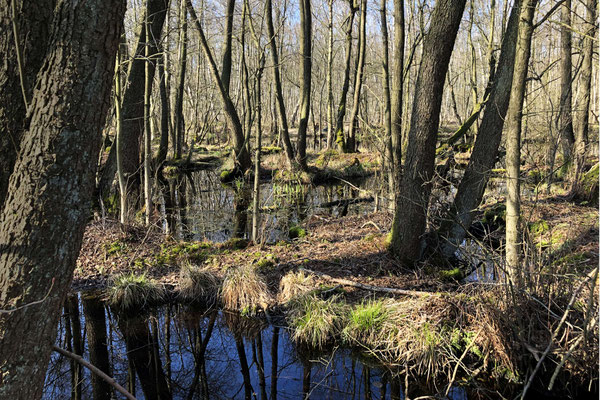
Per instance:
(581,134)
(351,145)
(147,133)
(485,150)
(565,117)
(411,209)
(330,121)
(305,81)
(513,140)
(179,121)
(341,111)
(397,96)
(387,117)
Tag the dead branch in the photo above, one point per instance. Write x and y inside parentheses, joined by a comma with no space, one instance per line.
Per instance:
(95,370)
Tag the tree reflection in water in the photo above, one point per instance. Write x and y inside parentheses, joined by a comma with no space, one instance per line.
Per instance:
(181,352)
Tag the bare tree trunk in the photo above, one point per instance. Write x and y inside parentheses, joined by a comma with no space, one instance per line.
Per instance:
(132,105)
(124,205)
(226,64)
(485,151)
(411,208)
(564,121)
(241,157)
(397,98)
(179,121)
(305,81)
(51,185)
(351,145)
(341,113)
(513,141)
(387,117)
(164,114)
(581,134)
(285,135)
(330,121)
(147,134)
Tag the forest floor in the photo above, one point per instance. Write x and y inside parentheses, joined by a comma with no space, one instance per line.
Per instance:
(337,284)
(352,247)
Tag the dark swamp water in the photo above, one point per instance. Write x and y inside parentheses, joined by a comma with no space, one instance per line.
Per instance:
(184,353)
(197,206)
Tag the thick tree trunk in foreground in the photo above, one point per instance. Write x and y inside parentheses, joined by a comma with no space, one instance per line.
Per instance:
(472,185)
(42,221)
(514,117)
(33,33)
(305,81)
(285,135)
(411,208)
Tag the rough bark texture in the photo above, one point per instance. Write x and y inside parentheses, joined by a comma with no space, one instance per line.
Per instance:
(513,140)
(33,33)
(305,82)
(49,194)
(411,208)
(389,157)
(472,186)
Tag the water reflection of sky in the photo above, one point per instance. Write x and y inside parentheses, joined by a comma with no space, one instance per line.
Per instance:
(336,374)
(212,209)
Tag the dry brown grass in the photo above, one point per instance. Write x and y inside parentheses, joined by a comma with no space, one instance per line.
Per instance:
(198,284)
(295,284)
(245,290)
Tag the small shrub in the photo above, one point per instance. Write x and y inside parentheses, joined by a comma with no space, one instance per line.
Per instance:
(296,232)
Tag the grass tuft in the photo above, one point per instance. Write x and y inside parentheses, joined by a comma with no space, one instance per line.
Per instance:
(295,284)
(130,290)
(196,284)
(315,321)
(245,290)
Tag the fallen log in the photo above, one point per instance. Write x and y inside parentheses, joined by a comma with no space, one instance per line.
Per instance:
(345,202)
(348,282)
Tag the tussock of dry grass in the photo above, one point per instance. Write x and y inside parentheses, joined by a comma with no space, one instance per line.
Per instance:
(130,290)
(196,284)
(295,284)
(245,290)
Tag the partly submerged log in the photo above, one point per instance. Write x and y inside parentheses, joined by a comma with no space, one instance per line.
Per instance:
(346,202)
